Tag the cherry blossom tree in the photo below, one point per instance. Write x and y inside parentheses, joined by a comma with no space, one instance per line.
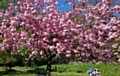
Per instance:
(41,29)
(100,33)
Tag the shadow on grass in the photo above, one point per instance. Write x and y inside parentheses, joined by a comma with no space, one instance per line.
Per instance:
(12,72)
(37,71)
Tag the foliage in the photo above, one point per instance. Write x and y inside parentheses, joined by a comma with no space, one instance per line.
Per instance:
(7,61)
(4,4)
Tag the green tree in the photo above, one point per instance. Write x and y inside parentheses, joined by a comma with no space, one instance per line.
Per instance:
(7,60)
(4,4)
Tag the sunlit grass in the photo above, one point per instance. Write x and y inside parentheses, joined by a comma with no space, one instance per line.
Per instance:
(105,69)
(71,70)
(68,74)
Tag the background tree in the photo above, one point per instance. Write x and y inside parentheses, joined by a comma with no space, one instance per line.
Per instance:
(7,60)
(4,4)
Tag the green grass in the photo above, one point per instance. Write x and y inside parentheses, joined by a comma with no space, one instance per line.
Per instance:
(68,74)
(20,75)
(71,69)
(105,69)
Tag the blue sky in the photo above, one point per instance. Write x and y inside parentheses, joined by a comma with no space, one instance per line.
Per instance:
(68,7)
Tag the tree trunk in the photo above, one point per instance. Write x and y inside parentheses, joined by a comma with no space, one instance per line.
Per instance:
(48,69)
(49,56)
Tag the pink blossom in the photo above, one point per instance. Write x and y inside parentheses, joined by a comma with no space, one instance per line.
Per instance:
(68,55)
(26,58)
(56,3)
(119,49)
(68,52)
(40,28)
(34,53)
(55,39)
(41,53)
(76,51)
(59,50)
(119,60)
(115,45)
(13,52)
(48,1)
(51,48)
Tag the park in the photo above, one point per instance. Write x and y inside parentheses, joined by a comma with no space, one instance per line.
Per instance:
(59,37)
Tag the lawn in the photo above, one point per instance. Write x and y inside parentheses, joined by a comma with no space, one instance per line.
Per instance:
(71,70)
